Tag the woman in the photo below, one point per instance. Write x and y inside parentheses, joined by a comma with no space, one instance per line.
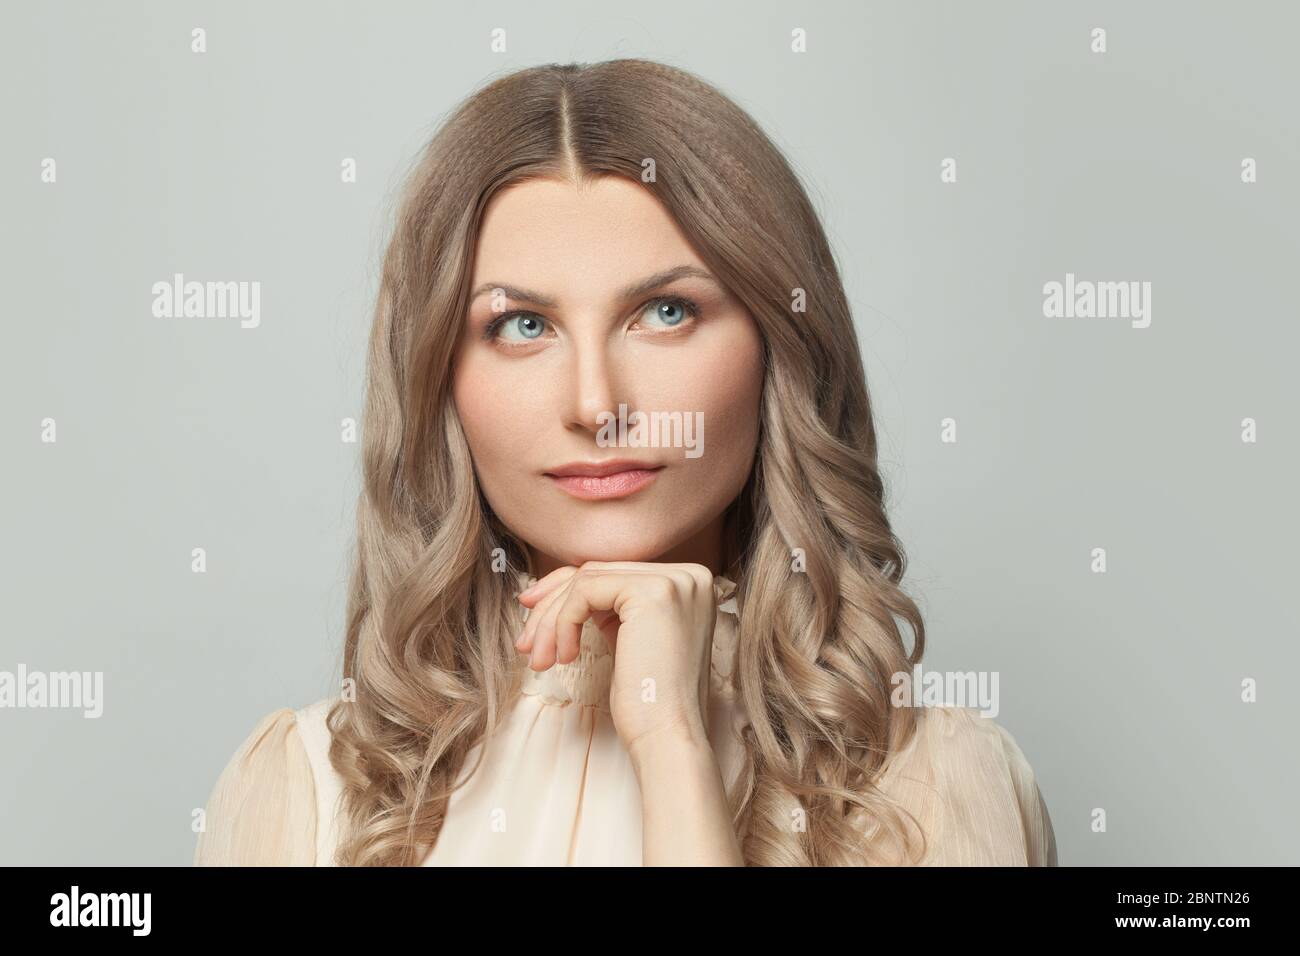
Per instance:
(701,671)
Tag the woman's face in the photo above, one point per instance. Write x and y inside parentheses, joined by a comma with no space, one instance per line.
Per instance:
(585,300)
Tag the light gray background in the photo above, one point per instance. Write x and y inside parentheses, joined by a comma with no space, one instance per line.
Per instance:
(1122,689)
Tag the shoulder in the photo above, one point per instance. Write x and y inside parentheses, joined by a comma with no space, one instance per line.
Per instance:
(262,809)
(314,732)
(311,725)
(970,786)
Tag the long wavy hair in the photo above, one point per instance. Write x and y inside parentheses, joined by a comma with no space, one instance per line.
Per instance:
(431,619)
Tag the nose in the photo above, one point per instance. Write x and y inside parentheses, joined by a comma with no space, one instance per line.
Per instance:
(596,379)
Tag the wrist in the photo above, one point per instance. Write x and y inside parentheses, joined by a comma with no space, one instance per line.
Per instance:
(670,749)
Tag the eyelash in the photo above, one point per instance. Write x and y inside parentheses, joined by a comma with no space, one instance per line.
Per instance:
(691,309)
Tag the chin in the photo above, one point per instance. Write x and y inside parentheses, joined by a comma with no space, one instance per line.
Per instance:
(607,544)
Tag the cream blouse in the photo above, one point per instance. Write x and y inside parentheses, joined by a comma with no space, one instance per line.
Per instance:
(557,787)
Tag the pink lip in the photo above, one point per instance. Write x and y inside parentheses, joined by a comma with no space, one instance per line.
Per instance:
(611,479)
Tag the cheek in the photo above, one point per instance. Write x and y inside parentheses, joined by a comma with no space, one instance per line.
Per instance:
(731,416)
(485,412)
(724,382)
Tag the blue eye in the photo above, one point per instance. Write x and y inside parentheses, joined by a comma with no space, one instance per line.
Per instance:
(673,310)
(528,324)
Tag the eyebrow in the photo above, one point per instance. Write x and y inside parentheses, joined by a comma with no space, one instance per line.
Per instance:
(648,284)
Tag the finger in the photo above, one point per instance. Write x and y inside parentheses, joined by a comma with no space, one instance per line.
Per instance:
(592,593)
(694,578)
(543,651)
(692,584)
(568,633)
(537,595)
(532,594)
(694,581)
(536,598)
(608,622)
(533,628)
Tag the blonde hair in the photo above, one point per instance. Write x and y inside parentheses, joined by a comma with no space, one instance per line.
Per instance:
(431,623)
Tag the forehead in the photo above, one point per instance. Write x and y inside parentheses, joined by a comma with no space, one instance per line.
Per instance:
(549,234)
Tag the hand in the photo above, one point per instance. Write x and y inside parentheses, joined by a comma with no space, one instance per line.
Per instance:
(658,620)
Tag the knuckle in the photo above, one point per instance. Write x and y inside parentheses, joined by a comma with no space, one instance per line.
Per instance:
(663,587)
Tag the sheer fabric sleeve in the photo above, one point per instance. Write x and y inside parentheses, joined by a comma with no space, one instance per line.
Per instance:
(262,811)
(973,792)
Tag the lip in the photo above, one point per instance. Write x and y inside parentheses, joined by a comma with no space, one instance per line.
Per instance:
(604,479)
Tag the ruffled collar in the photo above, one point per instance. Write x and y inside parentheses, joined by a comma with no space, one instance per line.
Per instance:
(586,680)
